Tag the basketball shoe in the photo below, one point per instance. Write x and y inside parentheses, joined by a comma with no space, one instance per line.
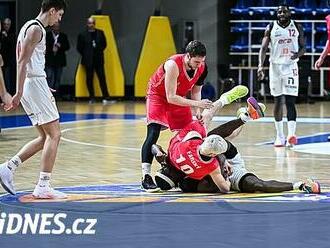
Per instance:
(47,192)
(234,94)
(7,178)
(311,187)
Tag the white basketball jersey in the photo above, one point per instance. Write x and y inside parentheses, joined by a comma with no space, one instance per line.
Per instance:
(283,41)
(36,66)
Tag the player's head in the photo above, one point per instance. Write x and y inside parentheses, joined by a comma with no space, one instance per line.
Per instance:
(55,10)
(195,52)
(283,13)
(213,145)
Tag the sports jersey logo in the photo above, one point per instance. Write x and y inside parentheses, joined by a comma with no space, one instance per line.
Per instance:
(284,41)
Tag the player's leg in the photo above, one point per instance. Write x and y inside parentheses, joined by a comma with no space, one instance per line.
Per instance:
(292,116)
(43,188)
(250,183)
(168,176)
(226,98)
(7,169)
(276,90)
(153,132)
(244,115)
(278,115)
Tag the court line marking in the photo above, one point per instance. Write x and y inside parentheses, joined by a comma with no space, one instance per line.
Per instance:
(139,149)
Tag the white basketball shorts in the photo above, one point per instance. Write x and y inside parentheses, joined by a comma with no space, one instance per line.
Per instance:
(38,101)
(284,79)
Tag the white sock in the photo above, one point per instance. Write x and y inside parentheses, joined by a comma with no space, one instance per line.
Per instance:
(14,162)
(279,129)
(44,179)
(146,169)
(297,185)
(244,116)
(223,99)
(292,128)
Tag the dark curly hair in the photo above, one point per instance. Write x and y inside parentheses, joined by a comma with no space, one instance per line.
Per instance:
(196,48)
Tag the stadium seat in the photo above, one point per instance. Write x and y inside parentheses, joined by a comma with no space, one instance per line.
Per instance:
(320,43)
(239,27)
(241,44)
(307,27)
(241,8)
(306,7)
(321,27)
(323,8)
(308,43)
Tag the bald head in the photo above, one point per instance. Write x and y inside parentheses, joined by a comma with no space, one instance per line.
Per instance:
(6,24)
(91,24)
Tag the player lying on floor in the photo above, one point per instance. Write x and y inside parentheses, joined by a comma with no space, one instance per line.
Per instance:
(193,163)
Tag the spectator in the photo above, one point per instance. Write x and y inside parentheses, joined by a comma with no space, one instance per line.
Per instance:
(8,52)
(91,44)
(56,45)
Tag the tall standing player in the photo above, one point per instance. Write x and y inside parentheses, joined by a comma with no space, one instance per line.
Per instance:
(287,45)
(37,100)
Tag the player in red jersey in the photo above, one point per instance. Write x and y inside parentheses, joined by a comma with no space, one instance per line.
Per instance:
(326,48)
(195,154)
(167,105)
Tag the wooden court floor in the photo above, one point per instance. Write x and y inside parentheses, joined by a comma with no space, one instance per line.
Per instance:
(107,151)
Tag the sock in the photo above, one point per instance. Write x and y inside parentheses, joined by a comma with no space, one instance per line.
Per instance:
(223,99)
(279,129)
(44,179)
(244,116)
(297,185)
(146,169)
(14,162)
(291,128)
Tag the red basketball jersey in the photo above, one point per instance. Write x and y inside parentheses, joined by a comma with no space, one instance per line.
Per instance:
(184,155)
(327,18)
(184,82)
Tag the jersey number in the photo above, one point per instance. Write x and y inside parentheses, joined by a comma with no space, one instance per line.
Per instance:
(186,168)
(292,32)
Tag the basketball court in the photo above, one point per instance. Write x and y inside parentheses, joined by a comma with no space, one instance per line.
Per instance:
(98,166)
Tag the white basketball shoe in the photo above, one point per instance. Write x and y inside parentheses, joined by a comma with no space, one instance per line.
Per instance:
(47,192)
(7,178)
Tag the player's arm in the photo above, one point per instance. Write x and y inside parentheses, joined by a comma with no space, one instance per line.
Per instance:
(4,95)
(171,77)
(262,52)
(32,38)
(219,180)
(323,55)
(301,43)
(196,92)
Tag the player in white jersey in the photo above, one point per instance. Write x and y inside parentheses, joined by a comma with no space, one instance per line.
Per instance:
(286,40)
(37,100)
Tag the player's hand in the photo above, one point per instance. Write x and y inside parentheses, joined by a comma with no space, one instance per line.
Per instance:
(294,55)
(205,104)
(198,114)
(52,90)
(6,101)
(318,63)
(260,73)
(15,101)
(229,168)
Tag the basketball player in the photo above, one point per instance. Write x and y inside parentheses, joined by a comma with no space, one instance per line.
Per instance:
(177,169)
(37,100)
(286,40)
(167,105)
(326,48)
